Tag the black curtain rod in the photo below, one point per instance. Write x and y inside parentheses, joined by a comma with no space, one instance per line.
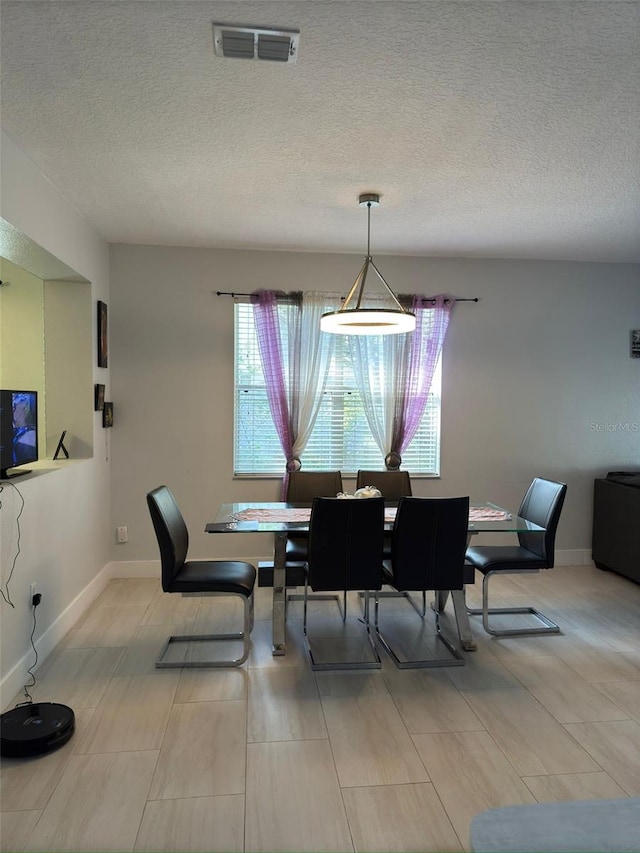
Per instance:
(232,293)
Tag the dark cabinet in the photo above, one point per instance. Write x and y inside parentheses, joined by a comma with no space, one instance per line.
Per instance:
(616,524)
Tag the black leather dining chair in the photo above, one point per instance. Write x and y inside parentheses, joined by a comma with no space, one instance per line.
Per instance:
(197,577)
(303,487)
(345,553)
(392,484)
(428,545)
(542,505)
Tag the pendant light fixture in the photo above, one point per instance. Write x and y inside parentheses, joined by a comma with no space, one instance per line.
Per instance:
(357,320)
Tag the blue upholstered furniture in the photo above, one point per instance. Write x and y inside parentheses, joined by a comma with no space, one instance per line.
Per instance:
(585,826)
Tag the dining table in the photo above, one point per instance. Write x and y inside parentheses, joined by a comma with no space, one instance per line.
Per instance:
(283,519)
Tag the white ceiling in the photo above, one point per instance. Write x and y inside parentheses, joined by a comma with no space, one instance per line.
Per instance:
(491,129)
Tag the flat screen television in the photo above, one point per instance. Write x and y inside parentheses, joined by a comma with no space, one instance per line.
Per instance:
(18,431)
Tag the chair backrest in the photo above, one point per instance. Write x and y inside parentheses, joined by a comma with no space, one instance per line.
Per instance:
(345,543)
(428,543)
(542,504)
(304,486)
(393,484)
(171,532)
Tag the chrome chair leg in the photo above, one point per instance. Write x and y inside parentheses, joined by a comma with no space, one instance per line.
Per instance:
(547,626)
(376,663)
(462,620)
(459,660)
(244,635)
(370,637)
(296,596)
(392,593)
(456,658)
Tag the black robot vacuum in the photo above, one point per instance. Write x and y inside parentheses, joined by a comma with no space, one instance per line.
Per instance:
(35,728)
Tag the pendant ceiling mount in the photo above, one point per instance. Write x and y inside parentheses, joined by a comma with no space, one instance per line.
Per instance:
(369,200)
(358,320)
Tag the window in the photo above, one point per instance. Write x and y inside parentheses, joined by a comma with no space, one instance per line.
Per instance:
(341,439)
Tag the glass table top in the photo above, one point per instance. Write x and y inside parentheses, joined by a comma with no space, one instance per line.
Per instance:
(280,517)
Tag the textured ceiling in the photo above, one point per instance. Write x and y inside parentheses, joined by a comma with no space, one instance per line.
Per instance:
(491,129)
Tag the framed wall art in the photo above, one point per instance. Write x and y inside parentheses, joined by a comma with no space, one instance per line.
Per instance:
(103,345)
(61,448)
(98,401)
(635,343)
(107,415)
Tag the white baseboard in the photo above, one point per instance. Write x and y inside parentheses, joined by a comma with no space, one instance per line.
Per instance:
(574,557)
(14,680)
(135,569)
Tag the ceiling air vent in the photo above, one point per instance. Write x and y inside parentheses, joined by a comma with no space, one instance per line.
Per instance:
(255,43)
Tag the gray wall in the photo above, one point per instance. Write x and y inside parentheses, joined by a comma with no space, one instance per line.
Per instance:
(64,526)
(537,376)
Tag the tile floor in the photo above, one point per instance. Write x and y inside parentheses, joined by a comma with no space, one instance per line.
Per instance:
(274,757)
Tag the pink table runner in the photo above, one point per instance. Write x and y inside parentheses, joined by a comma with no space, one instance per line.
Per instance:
(301,515)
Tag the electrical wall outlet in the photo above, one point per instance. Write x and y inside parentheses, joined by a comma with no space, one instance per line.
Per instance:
(33,589)
(122,534)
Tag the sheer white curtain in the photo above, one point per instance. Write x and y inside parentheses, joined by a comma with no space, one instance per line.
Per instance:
(394,375)
(310,354)
(295,371)
(378,361)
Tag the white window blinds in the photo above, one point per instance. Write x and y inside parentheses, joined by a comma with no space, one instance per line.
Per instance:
(341,438)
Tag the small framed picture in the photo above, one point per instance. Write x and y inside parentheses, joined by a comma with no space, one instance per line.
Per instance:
(635,343)
(107,415)
(103,346)
(61,448)
(98,402)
